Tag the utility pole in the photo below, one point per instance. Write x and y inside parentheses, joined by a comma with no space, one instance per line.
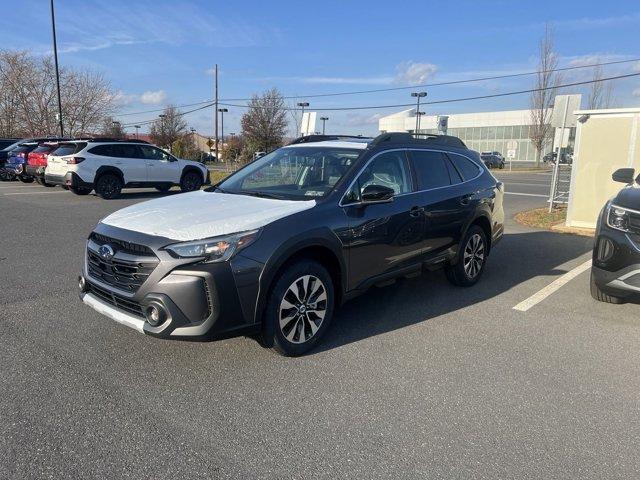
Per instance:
(216,111)
(222,112)
(324,119)
(418,95)
(55,58)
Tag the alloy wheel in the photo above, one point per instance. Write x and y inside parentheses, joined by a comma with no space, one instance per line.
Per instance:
(473,256)
(302,309)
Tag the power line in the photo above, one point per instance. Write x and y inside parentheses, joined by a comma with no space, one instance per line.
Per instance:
(391,89)
(402,105)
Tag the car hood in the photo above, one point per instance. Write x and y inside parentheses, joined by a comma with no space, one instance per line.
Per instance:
(628,197)
(196,215)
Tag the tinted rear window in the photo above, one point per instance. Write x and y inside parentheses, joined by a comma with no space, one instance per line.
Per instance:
(65,149)
(5,143)
(431,169)
(43,149)
(125,151)
(104,150)
(22,149)
(466,167)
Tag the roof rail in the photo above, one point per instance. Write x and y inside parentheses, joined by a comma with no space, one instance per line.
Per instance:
(107,139)
(324,138)
(420,138)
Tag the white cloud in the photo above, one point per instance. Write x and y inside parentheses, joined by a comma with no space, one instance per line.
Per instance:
(592,58)
(414,73)
(636,92)
(153,97)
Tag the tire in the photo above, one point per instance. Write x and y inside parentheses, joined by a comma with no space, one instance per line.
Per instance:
(191,181)
(600,295)
(25,179)
(283,327)
(472,258)
(40,181)
(109,186)
(80,190)
(501,166)
(163,188)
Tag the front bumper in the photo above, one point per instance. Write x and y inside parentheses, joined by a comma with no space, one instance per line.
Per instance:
(616,261)
(195,300)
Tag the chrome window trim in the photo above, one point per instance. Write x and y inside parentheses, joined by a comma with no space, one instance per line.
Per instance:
(480,169)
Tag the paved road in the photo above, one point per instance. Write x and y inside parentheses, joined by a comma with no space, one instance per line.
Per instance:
(416,380)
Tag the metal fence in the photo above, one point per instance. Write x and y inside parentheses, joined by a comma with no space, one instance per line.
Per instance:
(560,184)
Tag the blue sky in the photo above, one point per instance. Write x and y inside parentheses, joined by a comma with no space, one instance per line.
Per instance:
(159,52)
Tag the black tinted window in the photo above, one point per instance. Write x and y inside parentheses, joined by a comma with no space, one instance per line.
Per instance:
(5,143)
(125,151)
(431,169)
(65,149)
(153,153)
(466,167)
(104,150)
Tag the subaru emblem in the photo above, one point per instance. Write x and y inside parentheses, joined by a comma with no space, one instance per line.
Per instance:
(106,252)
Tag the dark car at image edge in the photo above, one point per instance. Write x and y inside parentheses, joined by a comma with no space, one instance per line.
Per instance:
(276,247)
(615,273)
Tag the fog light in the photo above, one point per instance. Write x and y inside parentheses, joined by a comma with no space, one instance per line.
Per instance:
(82,284)
(155,314)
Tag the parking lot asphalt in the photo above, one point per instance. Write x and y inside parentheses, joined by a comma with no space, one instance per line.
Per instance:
(416,380)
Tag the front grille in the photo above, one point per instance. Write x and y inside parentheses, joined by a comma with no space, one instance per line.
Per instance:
(123,246)
(115,300)
(122,274)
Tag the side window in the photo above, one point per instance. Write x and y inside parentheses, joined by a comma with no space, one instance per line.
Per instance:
(104,150)
(453,172)
(431,169)
(125,151)
(389,170)
(466,167)
(153,153)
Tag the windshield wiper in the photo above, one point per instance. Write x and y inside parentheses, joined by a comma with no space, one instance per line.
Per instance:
(257,193)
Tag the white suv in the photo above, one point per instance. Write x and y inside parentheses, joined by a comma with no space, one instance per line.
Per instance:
(108,166)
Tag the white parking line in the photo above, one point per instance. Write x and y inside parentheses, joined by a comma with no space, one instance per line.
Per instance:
(33,193)
(527,194)
(552,287)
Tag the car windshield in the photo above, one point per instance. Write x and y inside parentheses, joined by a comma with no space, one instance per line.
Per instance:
(293,173)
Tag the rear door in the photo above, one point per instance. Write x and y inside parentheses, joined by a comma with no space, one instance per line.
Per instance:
(444,200)
(161,167)
(128,158)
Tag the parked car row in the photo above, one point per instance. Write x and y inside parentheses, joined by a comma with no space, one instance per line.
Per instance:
(105,165)
(493,159)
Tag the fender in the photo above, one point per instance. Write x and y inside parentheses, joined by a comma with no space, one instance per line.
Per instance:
(192,168)
(108,169)
(321,237)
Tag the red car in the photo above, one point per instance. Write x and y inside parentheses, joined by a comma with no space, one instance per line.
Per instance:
(37,162)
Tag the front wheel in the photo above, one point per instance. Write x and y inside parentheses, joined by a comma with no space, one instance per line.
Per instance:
(471,259)
(299,308)
(191,181)
(601,296)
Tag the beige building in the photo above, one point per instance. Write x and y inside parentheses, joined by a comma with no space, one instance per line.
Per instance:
(605,141)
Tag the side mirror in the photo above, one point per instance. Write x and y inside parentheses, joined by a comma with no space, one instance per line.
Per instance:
(377,194)
(624,175)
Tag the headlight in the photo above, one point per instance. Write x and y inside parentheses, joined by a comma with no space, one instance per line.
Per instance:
(618,218)
(217,249)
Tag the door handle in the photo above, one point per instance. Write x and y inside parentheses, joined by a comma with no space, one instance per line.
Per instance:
(465,200)
(416,211)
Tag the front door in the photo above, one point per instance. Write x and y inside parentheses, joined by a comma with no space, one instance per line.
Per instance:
(383,237)
(161,166)
(127,159)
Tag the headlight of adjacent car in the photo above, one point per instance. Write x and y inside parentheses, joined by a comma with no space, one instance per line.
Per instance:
(618,218)
(217,249)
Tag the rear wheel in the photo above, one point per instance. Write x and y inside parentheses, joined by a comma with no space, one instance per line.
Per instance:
(109,186)
(602,296)
(471,259)
(191,181)
(80,190)
(299,308)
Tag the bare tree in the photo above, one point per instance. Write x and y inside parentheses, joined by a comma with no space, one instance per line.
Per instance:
(264,125)
(600,92)
(112,128)
(541,102)
(28,102)
(168,128)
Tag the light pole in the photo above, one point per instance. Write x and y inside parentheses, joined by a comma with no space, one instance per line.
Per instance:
(222,112)
(55,58)
(302,105)
(418,95)
(137,127)
(324,119)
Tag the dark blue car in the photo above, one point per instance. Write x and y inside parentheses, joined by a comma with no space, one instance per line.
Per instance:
(17,161)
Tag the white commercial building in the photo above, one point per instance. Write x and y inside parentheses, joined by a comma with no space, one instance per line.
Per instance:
(504,132)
